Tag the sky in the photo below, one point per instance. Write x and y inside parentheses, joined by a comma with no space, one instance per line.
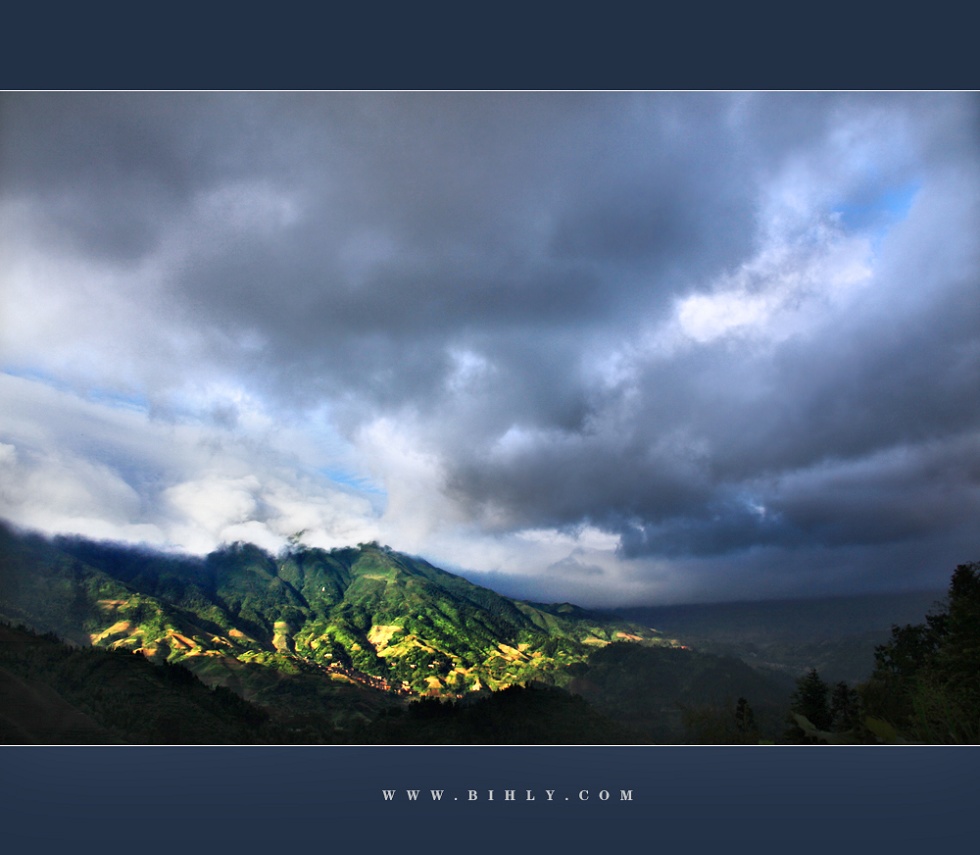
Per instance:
(612,348)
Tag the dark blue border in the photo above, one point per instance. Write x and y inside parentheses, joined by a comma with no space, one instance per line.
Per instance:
(798,799)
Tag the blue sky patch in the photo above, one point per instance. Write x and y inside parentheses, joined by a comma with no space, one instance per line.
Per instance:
(878,211)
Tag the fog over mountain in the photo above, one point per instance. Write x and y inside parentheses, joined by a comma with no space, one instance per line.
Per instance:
(611,348)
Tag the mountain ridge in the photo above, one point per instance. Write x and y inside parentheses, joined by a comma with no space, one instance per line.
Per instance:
(365,614)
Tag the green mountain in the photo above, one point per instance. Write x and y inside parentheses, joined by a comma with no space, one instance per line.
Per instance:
(55,693)
(364,618)
(362,644)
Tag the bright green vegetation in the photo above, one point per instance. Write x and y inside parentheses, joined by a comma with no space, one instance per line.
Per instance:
(56,693)
(308,627)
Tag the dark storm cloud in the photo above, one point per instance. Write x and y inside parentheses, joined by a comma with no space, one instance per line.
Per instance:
(110,170)
(725,448)
(507,275)
(429,219)
(417,211)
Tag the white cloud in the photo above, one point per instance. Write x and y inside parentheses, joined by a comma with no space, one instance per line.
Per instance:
(89,322)
(64,492)
(86,466)
(784,291)
(417,506)
(212,506)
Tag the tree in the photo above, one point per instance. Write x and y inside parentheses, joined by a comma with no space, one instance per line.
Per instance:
(845,708)
(810,701)
(958,658)
(745,725)
(926,682)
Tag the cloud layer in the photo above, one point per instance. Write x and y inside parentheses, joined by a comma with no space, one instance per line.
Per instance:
(597,347)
